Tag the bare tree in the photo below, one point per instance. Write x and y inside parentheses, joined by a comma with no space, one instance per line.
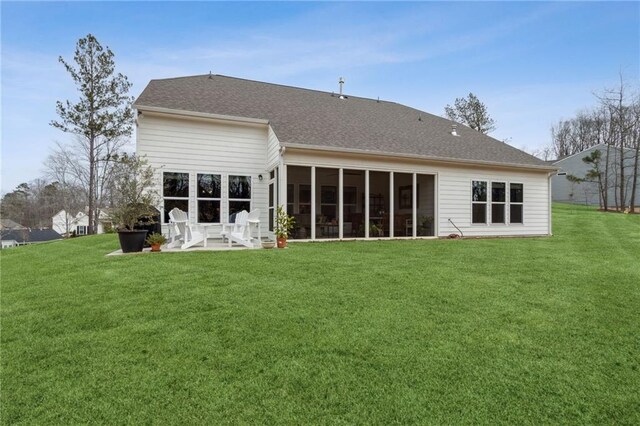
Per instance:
(101,119)
(471,112)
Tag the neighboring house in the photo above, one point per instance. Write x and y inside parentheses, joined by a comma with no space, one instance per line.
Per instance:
(28,236)
(10,225)
(567,190)
(343,166)
(64,223)
(9,230)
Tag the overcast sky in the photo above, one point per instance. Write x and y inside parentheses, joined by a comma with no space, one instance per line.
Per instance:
(530,63)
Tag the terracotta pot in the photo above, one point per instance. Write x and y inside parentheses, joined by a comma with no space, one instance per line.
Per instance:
(282,242)
(155,247)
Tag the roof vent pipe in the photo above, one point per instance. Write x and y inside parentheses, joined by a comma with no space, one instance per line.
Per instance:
(453,129)
(341,83)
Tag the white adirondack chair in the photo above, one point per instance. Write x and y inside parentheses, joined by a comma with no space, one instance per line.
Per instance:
(240,232)
(185,235)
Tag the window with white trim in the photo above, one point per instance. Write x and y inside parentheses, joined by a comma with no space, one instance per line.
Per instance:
(175,192)
(498,202)
(479,202)
(516,202)
(208,195)
(239,194)
(81,230)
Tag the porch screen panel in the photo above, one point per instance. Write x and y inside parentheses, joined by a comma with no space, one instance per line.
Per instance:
(327,220)
(402,205)
(353,204)
(379,204)
(299,200)
(426,206)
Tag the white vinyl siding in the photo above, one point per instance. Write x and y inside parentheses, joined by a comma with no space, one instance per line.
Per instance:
(205,146)
(273,150)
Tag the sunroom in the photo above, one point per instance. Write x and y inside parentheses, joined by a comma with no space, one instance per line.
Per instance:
(345,203)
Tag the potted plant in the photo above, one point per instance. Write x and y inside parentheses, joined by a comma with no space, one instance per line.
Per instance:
(375,230)
(155,240)
(134,201)
(284,225)
(425,225)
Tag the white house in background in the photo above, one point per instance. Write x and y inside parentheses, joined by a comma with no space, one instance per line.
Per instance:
(570,191)
(65,223)
(346,167)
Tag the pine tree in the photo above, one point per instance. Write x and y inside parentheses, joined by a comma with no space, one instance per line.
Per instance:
(103,114)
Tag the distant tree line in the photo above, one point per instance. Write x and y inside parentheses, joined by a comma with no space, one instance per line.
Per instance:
(613,123)
(33,204)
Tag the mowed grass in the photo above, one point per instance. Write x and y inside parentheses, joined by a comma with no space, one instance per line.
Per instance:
(534,330)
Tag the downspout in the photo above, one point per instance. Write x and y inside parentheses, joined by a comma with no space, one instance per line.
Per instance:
(282,181)
(549,175)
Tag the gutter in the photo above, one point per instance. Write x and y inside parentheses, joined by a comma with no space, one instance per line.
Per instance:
(550,169)
(184,113)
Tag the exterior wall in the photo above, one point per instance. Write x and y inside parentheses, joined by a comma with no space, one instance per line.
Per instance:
(59,223)
(587,193)
(273,149)
(201,145)
(9,243)
(452,198)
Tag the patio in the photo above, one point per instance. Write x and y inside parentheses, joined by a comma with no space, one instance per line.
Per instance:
(213,244)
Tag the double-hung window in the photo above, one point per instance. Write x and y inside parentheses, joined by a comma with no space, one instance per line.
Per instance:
(239,194)
(516,202)
(175,192)
(479,202)
(498,202)
(209,192)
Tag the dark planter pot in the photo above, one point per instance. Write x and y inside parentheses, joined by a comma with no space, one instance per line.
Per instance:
(132,241)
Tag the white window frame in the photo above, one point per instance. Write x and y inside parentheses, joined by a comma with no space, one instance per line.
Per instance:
(230,200)
(486,203)
(198,198)
(84,229)
(187,198)
(504,203)
(516,203)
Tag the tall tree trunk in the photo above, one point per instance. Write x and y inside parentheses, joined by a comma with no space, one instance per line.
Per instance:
(92,185)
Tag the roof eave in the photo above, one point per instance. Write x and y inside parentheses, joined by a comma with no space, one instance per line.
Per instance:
(421,157)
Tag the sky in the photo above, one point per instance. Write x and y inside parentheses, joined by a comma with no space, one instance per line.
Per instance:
(531,63)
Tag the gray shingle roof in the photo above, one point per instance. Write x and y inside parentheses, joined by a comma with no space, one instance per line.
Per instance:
(10,224)
(318,119)
(31,235)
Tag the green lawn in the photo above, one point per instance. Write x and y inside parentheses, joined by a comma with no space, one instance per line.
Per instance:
(534,330)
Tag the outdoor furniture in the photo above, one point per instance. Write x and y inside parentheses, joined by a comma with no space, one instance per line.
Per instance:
(240,232)
(253,219)
(185,235)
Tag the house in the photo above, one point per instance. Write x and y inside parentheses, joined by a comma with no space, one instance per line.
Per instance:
(569,190)
(65,223)
(9,231)
(344,166)
(28,236)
